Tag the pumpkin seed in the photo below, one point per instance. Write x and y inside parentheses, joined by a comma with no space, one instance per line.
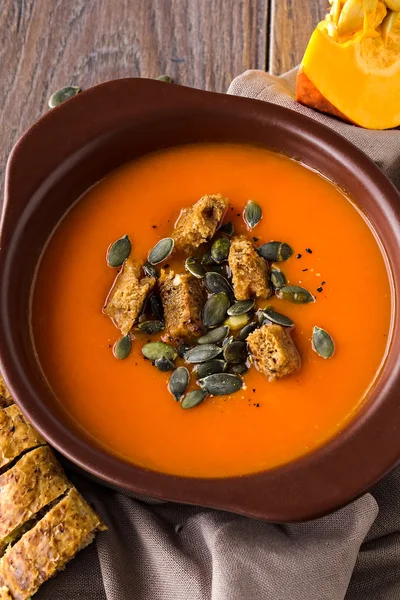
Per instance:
(261,317)
(156,307)
(295,294)
(214,336)
(165,78)
(149,270)
(252,214)
(220,249)
(62,95)
(322,343)
(151,326)
(237,321)
(221,384)
(277,318)
(240,308)
(275,251)
(178,382)
(246,331)
(227,341)
(220,269)
(154,350)
(209,368)
(193,399)
(214,311)
(216,283)
(238,369)
(164,364)
(194,267)
(119,251)
(161,251)
(206,259)
(123,347)
(277,278)
(228,228)
(236,352)
(202,353)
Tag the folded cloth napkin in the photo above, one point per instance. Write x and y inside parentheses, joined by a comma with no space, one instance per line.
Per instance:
(165,551)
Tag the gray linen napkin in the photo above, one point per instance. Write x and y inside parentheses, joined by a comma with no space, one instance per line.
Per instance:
(165,551)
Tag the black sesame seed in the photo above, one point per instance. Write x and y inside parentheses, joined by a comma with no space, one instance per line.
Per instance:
(320,289)
(309,250)
(238,215)
(154,226)
(254,390)
(304,270)
(323,282)
(166,266)
(255,239)
(298,256)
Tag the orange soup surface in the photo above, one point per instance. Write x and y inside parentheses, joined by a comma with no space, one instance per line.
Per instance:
(125,405)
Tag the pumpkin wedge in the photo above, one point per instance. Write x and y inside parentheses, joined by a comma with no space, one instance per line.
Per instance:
(351,67)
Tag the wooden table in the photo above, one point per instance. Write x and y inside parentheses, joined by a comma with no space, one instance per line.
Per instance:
(46,44)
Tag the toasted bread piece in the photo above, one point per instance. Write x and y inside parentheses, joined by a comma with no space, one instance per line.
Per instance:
(183,297)
(35,481)
(273,351)
(249,270)
(16,435)
(128,294)
(5,396)
(46,548)
(198,224)
(5,594)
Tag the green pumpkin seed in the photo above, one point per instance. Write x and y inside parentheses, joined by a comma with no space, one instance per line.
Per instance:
(295,294)
(252,214)
(150,327)
(275,251)
(216,283)
(221,384)
(246,331)
(119,251)
(220,249)
(228,228)
(156,307)
(240,308)
(237,321)
(155,350)
(235,352)
(161,251)
(164,364)
(261,317)
(202,353)
(149,270)
(165,78)
(62,95)
(277,278)
(206,259)
(227,341)
(209,368)
(214,336)
(178,382)
(220,269)
(277,318)
(194,267)
(322,343)
(123,347)
(193,399)
(238,369)
(214,311)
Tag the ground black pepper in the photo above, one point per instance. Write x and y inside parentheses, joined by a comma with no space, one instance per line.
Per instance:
(298,256)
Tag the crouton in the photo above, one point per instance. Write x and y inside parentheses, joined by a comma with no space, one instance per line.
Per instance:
(273,351)
(16,435)
(198,224)
(68,527)
(5,594)
(5,396)
(183,297)
(127,296)
(249,270)
(35,481)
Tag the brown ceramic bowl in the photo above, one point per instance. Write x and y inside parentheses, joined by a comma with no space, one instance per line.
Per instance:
(77,144)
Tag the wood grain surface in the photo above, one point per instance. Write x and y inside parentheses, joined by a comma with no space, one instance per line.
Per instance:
(292,22)
(46,44)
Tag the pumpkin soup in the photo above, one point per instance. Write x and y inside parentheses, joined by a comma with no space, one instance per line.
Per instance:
(238,284)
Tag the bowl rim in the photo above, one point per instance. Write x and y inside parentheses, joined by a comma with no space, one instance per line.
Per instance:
(308,487)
